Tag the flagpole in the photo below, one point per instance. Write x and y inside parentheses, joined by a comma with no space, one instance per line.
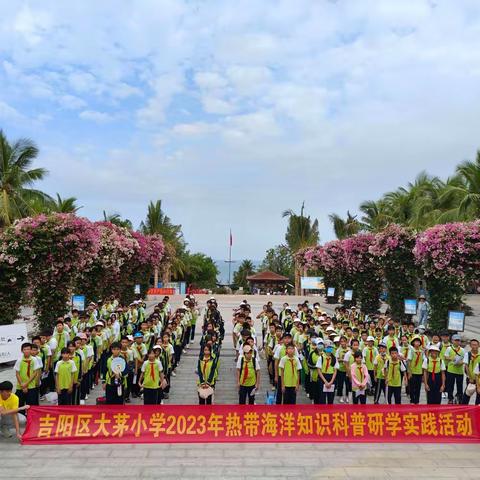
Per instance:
(230,259)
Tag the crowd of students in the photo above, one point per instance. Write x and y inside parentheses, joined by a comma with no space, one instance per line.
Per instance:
(347,356)
(353,356)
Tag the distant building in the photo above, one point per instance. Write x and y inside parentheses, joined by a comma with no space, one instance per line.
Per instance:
(267,282)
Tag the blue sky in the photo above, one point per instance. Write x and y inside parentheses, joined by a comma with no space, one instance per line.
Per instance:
(232,112)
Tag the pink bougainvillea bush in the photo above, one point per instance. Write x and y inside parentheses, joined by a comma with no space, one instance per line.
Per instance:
(449,256)
(392,250)
(149,252)
(52,251)
(365,273)
(117,247)
(334,267)
(12,278)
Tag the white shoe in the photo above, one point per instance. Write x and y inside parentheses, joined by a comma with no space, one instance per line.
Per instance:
(192,342)
(184,351)
(5,431)
(341,400)
(42,398)
(86,397)
(82,402)
(346,400)
(174,374)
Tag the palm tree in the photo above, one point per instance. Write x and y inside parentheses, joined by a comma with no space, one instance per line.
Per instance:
(301,233)
(345,228)
(64,205)
(245,269)
(16,180)
(375,215)
(465,189)
(159,223)
(116,219)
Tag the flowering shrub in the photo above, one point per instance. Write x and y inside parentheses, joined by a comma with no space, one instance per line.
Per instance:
(52,251)
(12,279)
(149,251)
(334,267)
(366,275)
(449,250)
(449,256)
(392,250)
(117,247)
(312,258)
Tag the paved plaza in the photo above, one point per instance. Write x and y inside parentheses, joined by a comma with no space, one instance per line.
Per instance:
(240,461)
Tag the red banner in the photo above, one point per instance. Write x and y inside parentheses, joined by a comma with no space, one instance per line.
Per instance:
(256,423)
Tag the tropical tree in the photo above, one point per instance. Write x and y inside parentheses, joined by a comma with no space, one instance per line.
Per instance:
(157,222)
(463,190)
(345,228)
(64,205)
(200,270)
(245,269)
(17,178)
(375,215)
(117,220)
(302,232)
(279,260)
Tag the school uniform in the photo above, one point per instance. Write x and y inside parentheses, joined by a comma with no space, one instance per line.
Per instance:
(64,371)
(342,378)
(26,368)
(360,377)
(327,364)
(471,361)
(114,387)
(248,372)
(434,369)
(291,374)
(151,381)
(455,370)
(393,380)
(415,365)
(207,371)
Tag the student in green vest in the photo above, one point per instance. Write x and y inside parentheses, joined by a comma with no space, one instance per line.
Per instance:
(393,376)
(369,353)
(248,376)
(313,357)
(415,370)
(327,373)
(151,378)
(434,375)
(471,360)
(342,378)
(280,351)
(26,371)
(206,370)
(114,382)
(455,355)
(65,370)
(379,364)
(290,367)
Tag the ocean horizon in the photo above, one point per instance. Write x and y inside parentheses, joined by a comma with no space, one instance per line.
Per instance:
(222,266)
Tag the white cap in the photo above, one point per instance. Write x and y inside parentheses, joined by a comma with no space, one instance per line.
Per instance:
(337,338)
(370,339)
(433,347)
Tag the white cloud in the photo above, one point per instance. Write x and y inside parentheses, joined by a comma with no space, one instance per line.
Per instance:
(356,96)
(217,105)
(9,113)
(193,129)
(94,116)
(71,102)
